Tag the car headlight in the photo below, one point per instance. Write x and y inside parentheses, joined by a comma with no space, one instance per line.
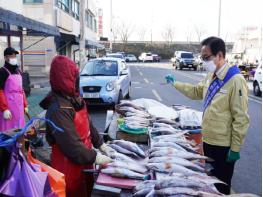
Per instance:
(110,86)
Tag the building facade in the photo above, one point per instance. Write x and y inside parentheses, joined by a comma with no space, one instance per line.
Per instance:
(63,14)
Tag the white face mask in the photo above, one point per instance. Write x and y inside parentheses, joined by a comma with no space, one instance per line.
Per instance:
(13,61)
(209,66)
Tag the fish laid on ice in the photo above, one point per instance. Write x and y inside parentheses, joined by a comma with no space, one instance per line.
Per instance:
(170,167)
(161,144)
(127,165)
(130,146)
(122,173)
(119,149)
(184,191)
(178,161)
(177,153)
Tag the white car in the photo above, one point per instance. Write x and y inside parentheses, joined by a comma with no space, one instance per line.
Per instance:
(131,58)
(257,83)
(146,57)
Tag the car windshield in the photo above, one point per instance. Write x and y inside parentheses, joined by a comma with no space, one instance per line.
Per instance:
(187,55)
(100,68)
(148,54)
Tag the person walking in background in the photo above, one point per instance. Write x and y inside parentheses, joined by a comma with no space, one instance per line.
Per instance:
(225,110)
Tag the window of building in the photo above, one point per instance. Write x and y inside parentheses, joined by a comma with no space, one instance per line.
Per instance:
(33,1)
(95,25)
(64,5)
(75,9)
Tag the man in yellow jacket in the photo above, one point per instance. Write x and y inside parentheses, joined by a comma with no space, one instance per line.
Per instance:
(225,111)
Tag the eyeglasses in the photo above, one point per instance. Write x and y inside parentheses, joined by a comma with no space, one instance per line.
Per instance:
(207,58)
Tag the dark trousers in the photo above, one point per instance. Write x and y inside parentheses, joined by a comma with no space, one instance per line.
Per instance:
(222,169)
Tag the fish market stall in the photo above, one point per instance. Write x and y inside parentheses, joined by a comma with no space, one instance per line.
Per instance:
(158,150)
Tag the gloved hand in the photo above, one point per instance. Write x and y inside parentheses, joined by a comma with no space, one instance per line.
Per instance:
(232,156)
(7,115)
(26,110)
(170,79)
(102,159)
(106,149)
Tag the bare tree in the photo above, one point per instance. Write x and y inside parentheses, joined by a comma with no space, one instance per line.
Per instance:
(200,32)
(125,31)
(168,34)
(141,33)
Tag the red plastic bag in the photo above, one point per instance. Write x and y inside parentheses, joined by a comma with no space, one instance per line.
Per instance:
(56,178)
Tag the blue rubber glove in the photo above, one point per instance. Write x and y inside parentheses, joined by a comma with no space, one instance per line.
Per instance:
(232,156)
(170,79)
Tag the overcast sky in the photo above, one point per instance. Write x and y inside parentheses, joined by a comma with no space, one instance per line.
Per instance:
(185,16)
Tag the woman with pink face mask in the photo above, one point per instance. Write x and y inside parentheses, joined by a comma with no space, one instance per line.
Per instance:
(13,103)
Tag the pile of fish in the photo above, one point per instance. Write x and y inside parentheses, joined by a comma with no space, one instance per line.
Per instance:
(125,164)
(135,117)
(178,185)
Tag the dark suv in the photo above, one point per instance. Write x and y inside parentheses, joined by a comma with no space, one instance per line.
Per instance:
(185,60)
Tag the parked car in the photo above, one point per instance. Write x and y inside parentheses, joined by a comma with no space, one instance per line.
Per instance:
(257,83)
(105,81)
(185,60)
(115,55)
(156,58)
(131,58)
(146,57)
(121,52)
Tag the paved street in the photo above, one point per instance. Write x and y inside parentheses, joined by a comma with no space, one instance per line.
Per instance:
(147,79)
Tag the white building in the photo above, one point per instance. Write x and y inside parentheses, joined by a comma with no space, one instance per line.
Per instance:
(249,44)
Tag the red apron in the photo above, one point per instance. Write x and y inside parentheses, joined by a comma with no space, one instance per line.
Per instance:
(75,179)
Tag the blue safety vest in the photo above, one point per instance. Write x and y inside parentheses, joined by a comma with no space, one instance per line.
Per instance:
(217,84)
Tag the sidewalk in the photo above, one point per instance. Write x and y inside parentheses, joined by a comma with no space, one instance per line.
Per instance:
(37,94)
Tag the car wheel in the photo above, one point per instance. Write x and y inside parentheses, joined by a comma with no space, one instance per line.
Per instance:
(120,97)
(129,93)
(195,68)
(180,68)
(127,60)
(256,89)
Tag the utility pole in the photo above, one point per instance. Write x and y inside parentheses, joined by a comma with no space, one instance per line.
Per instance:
(82,44)
(219,19)
(111,33)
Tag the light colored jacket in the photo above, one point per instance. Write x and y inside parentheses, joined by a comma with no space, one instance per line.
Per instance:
(225,121)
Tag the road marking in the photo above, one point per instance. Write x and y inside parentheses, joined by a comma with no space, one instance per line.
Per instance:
(137,87)
(157,95)
(135,82)
(146,80)
(140,73)
(250,97)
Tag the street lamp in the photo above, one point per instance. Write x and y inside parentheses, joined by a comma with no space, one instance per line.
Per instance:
(111,34)
(219,19)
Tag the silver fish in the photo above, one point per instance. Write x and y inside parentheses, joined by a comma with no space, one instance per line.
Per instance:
(170,167)
(122,173)
(145,184)
(177,135)
(184,190)
(178,161)
(167,145)
(209,180)
(121,157)
(178,182)
(130,146)
(177,153)
(128,165)
(143,192)
(119,149)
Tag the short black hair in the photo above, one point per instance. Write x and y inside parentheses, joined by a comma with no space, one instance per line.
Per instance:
(215,44)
